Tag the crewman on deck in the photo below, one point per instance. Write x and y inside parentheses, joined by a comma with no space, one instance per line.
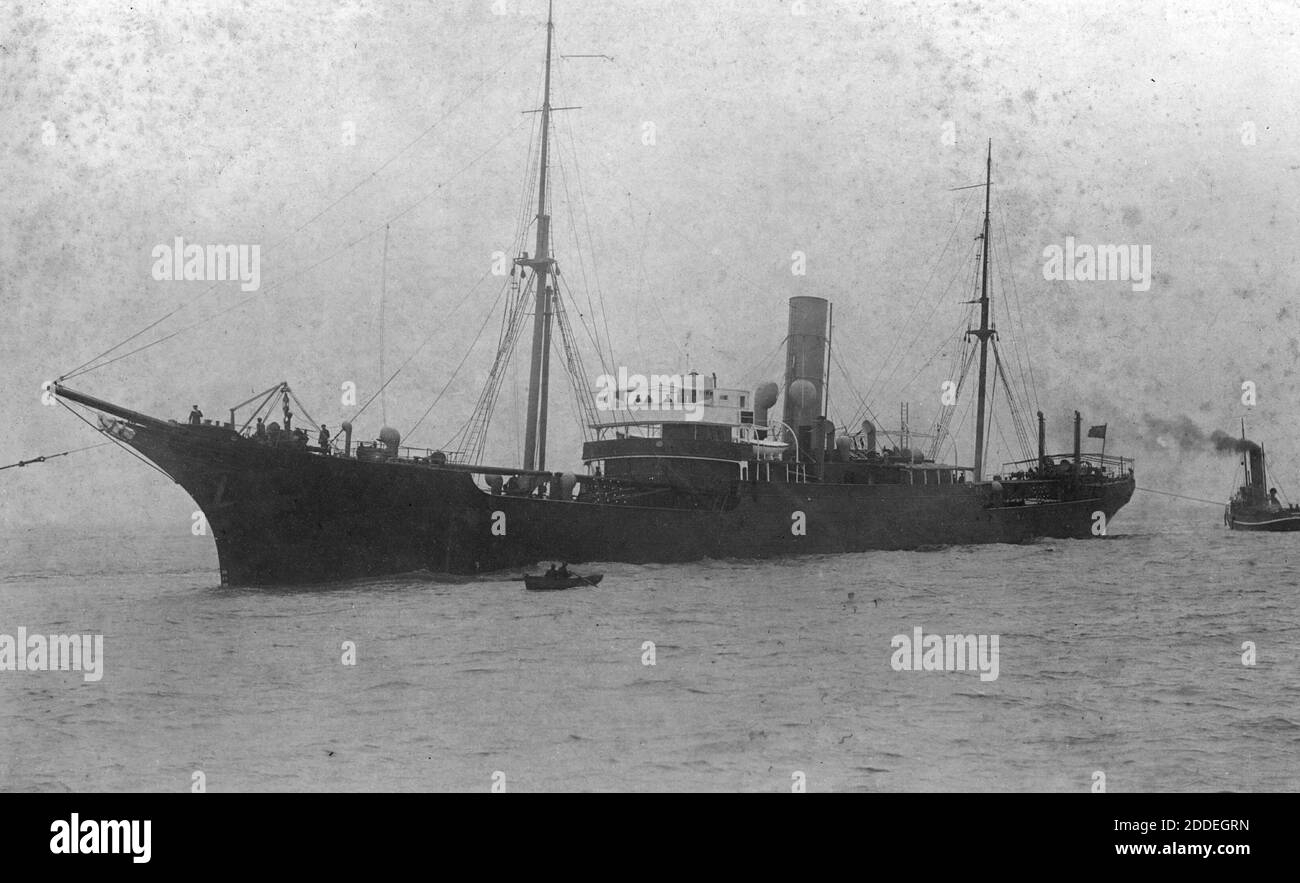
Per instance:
(324,439)
(196,416)
(1274,504)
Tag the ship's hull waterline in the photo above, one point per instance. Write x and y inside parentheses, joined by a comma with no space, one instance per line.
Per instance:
(1268,522)
(285,516)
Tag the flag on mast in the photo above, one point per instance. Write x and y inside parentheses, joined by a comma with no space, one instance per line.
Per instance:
(1097,431)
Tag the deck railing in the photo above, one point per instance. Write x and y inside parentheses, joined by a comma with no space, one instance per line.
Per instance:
(1108,466)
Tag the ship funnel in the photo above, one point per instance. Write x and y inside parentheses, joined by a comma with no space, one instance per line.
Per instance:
(805,363)
(1258,478)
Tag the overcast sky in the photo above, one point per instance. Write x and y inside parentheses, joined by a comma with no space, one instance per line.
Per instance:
(835,129)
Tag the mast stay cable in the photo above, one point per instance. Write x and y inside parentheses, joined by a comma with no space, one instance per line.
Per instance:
(83,369)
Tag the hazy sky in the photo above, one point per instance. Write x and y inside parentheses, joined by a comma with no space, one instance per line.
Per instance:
(835,129)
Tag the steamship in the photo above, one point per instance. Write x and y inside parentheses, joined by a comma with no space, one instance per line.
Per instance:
(688,470)
(1253,507)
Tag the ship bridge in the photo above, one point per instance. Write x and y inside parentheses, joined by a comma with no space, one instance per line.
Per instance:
(682,429)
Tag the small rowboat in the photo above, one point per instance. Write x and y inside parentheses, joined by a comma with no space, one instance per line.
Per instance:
(542,583)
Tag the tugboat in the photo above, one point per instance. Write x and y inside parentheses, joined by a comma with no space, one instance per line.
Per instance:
(1251,507)
(681,469)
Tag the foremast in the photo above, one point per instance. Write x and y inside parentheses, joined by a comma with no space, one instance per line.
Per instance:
(984,332)
(543,266)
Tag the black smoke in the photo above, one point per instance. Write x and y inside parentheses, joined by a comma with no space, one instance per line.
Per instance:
(1231,444)
(1184,432)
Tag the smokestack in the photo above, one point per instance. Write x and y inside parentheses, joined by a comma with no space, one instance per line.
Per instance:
(805,362)
(869,429)
(1042,440)
(1078,440)
(1258,478)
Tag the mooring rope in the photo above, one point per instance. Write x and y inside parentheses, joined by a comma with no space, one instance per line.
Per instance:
(1180,496)
(44,457)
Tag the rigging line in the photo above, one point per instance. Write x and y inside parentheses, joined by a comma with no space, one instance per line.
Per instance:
(1015,292)
(124,342)
(992,424)
(865,407)
(1018,415)
(45,457)
(258,410)
(1012,323)
(531,159)
(130,450)
(574,369)
(654,301)
(302,409)
(578,372)
(1179,496)
(1017,422)
(582,264)
(513,322)
(591,333)
(970,401)
(997,282)
(470,349)
(383,290)
(935,354)
(304,270)
(946,414)
(418,138)
(422,345)
(642,279)
(311,220)
(474,430)
(916,337)
(952,235)
(753,370)
(595,270)
(672,228)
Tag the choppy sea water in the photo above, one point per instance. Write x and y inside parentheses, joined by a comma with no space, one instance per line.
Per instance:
(1121,655)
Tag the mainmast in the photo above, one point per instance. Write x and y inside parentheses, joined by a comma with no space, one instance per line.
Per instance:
(542,265)
(984,332)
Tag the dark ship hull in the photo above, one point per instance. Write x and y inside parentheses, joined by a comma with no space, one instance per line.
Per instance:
(725,480)
(294,516)
(1255,506)
(1269,521)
